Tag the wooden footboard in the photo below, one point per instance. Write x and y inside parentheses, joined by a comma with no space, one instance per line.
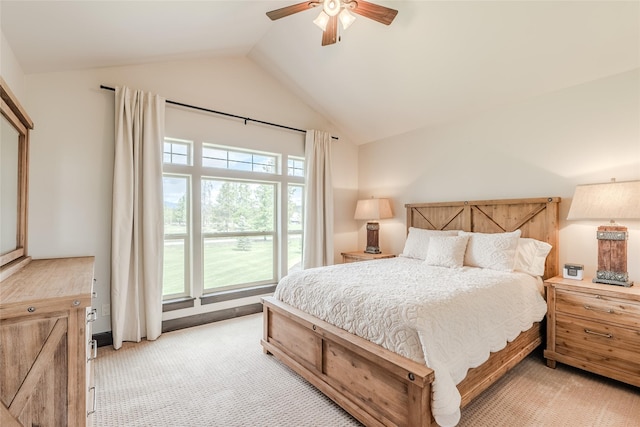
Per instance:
(375,385)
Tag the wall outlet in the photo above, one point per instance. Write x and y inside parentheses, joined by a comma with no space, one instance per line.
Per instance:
(106,309)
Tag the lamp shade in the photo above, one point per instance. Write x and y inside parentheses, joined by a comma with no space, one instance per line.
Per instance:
(611,200)
(373,209)
(322,20)
(346,18)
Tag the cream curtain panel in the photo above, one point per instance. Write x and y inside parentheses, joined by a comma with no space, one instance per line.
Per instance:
(317,249)
(137,217)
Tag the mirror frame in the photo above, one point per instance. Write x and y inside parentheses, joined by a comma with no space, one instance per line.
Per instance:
(11,109)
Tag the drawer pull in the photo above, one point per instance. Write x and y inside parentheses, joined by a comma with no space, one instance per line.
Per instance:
(92,316)
(93,345)
(600,334)
(608,310)
(95,401)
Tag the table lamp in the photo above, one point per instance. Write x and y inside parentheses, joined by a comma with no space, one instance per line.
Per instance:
(372,210)
(612,200)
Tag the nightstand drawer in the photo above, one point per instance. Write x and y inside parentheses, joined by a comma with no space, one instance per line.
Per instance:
(613,346)
(598,307)
(363,256)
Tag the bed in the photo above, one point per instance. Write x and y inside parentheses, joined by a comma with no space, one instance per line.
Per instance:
(377,384)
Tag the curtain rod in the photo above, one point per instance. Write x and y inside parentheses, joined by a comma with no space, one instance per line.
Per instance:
(246,119)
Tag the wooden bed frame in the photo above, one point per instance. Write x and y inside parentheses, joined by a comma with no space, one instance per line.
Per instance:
(377,386)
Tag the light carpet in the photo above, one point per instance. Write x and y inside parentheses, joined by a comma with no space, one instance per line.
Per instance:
(217,375)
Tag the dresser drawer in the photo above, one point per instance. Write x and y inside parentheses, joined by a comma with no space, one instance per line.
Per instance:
(598,307)
(610,345)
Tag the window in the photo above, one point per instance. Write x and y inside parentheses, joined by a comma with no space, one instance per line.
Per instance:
(295,209)
(220,157)
(295,167)
(176,235)
(239,234)
(177,152)
(232,219)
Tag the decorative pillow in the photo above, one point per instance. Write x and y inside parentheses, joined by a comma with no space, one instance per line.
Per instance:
(531,255)
(496,251)
(417,242)
(446,251)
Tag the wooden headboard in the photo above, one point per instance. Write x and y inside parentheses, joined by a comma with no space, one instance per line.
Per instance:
(536,218)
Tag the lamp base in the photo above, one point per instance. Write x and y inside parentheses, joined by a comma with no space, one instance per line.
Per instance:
(612,278)
(612,256)
(372,238)
(613,282)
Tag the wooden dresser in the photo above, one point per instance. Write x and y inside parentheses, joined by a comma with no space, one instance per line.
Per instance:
(46,373)
(595,327)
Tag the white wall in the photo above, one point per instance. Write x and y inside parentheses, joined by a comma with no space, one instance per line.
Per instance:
(72,147)
(543,147)
(10,68)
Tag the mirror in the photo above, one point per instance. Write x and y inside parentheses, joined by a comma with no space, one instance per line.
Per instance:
(14,148)
(9,143)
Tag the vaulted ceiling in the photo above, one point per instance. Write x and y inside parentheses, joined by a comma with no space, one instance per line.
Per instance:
(438,61)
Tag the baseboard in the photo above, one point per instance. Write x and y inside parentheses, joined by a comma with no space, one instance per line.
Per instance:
(106,338)
(214,316)
(103,338)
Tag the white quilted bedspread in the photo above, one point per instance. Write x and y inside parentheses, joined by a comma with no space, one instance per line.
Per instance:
(450,319)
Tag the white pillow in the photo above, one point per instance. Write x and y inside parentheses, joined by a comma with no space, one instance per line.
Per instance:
(417,242)
(496,251)
(446,251)
(531,255)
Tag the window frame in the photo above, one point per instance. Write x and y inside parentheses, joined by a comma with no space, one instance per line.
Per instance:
(235,150)
(186,237)
(194,268)
(252,233)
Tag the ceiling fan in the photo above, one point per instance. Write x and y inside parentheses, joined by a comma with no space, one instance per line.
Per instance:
(332,10)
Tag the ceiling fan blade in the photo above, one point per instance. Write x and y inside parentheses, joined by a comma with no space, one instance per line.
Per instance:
(330,35)
(290,10)
(382,14)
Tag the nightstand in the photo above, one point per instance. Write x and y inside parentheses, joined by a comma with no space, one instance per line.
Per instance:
(595,327)
(363,256)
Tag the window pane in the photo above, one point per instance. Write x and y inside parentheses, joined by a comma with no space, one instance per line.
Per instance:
(294,207)
(295,194)
(232,261)
(265,164)
(214,153)
(239,166)
(237,206)
(176,202)
(174,267)
(214,163)
(240,156)
(295,167)
(177,152)
(176,228)
(215,157)
(294,247)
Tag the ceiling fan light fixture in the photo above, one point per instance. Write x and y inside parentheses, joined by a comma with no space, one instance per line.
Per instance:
(333,11)
(331,7)
(346,18)
(322,20)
